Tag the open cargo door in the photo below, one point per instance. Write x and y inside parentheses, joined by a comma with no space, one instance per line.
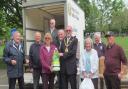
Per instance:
(36,18)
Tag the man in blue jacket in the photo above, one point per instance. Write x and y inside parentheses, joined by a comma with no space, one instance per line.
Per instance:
(14,58)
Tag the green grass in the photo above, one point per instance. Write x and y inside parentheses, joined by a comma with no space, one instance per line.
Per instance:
(123,42)
(2,65)
(1,50)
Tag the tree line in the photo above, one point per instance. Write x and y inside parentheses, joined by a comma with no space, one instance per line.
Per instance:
(104,15)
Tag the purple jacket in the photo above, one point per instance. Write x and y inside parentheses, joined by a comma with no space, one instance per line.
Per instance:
(46,58)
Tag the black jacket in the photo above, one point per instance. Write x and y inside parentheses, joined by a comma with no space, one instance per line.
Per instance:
(69,58)
(100,48)
(34,55)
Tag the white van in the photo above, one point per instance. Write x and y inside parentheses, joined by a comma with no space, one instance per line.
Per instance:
(36,15)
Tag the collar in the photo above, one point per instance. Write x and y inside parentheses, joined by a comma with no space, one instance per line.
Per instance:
(37,43)
(14,42)
(52,29)
(14,45)
(110,46)
(98,43)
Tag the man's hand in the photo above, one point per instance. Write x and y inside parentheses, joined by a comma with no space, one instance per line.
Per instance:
(13,62)
(31,70)
(84,74)
(120,75)
(27,61)
(61,54)
(90,75)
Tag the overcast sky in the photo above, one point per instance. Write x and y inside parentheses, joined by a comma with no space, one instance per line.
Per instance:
(126,2)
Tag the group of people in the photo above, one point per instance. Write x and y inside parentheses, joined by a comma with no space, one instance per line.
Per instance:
(41,54)
(107,63)
(40,58)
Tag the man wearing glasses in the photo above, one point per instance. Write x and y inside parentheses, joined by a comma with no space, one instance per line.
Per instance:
(68,68)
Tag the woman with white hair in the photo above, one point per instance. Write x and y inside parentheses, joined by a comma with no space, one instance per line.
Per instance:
(90,62)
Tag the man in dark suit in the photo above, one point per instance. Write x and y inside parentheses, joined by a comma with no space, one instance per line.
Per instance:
(59,42)
(68,67)
(52,29)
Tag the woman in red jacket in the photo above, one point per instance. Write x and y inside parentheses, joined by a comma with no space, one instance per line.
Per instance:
(46,53)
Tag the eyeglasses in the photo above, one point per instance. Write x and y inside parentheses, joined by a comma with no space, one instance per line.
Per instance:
(47,38)
(68,30)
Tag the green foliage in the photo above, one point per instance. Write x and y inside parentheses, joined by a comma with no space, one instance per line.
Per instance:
(12,10)
(10,17)
(120,21)
(104,15)
(3,26)
(1,50)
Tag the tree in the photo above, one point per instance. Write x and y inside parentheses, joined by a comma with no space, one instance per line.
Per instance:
(91,13)
(12,10)
(10,17)
(99,13)
(4,29)
(120,21)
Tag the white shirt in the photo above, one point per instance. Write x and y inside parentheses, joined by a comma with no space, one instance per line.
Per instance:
(51,30)
(48,48)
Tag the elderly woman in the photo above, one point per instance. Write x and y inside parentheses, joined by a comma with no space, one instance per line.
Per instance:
(46,53)
(90,62)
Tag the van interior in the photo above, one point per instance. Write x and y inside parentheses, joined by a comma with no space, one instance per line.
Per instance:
(37,19)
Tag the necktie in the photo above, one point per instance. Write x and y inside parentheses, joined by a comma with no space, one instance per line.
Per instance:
(68,40)
(60,45)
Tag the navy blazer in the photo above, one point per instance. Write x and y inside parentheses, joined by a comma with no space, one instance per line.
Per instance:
(11,52)
(69,58)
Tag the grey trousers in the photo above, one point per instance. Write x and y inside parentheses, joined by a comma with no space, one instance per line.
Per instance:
(36,78)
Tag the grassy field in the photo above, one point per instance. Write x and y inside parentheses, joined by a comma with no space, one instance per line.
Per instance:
(2,65)
(123,42)
(1,50)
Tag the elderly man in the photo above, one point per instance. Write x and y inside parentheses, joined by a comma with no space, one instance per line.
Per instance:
(52,29)
(114,59)
(14,59)
(34,57)
(59,42)
(68,67)
(60,38)
(100,47)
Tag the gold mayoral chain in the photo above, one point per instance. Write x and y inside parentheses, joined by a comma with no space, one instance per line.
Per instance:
(67,43)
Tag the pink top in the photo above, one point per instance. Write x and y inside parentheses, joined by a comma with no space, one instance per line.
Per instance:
(46,58)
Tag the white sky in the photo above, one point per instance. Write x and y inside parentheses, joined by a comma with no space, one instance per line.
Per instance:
(126,2)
